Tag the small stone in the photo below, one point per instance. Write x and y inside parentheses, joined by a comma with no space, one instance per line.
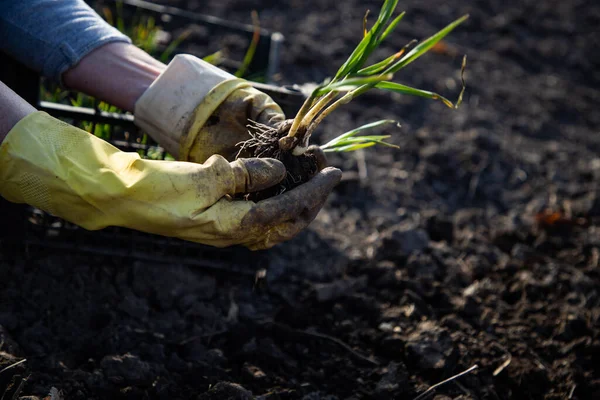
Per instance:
(386,327)
(253,371)
(520,252)
(319,396)
(215,357)
(403,240)
(429,346)
(394,378)
(423,266)
(226,391)
(126,369)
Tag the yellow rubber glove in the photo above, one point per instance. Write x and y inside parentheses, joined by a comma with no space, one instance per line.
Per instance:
(74,175)
(195,110)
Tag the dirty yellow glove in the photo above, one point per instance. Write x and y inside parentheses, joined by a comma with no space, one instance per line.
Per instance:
(74,175)
(195,110)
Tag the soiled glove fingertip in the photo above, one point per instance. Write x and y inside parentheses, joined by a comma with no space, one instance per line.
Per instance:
(263,173)
(333,175)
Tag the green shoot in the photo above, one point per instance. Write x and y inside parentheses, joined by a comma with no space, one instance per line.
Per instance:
(368,43)
(249,56)
(382,65)
(424,47)
(350,142)
(403,89)
(353,78)
(215,58)
(350,84)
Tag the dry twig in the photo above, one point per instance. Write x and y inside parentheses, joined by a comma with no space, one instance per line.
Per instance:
(339,343)
(13,365)
(432,388)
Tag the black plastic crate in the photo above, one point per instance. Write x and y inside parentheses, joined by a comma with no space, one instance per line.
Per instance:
(35,229)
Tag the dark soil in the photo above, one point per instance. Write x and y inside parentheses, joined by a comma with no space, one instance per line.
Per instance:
(300,169)
(478,242)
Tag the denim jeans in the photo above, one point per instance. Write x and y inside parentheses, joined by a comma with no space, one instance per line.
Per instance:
(51,36)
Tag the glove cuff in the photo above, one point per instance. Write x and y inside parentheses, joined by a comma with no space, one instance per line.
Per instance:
(203,111)
(165,110)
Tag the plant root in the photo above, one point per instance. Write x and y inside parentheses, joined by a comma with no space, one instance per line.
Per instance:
(265,142)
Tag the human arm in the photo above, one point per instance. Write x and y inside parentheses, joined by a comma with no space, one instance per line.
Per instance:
(50,36)
(35,148)
(118,73)
(74,175)
(67,41)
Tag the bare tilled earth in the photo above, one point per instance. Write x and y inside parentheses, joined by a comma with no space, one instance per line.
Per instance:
(476,243)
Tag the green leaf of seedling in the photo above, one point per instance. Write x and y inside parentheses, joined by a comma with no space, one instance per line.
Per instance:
(350,63)
(348,148)
(390,28)
(381,142)
(371,125)
(364,48)
(215,58)
(356,80)
(350,84)
(357,143)
(348,135)
(382,65)
(376,32)
(376,37)
(384,15)
(403,89)
(424,46)
(370,138)
(378,67)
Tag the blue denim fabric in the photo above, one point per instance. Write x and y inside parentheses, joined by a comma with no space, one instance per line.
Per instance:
(50,36)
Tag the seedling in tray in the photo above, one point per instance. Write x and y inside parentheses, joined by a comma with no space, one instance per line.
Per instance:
(289,140)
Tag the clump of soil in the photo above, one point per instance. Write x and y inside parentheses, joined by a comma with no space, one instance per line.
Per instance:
(265,144)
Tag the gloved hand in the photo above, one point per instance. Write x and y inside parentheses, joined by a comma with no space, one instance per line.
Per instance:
(194,110)
(74,175)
